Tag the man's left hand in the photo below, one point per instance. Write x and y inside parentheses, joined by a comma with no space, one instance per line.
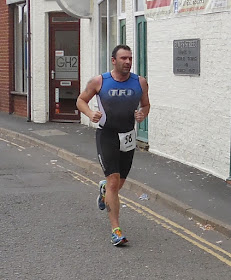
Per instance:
(139,116)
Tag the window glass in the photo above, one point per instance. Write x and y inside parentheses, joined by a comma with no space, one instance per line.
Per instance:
(107,33)
(103,36)
(139,5)
(122,6)
(66,66)
(20,47)
(123,31)
(64,19)
(113,27)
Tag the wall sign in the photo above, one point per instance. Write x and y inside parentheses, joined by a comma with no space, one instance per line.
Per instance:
(186,57)
(156,9)
(66,67)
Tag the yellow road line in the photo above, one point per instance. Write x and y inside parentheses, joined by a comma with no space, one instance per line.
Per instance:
(177,226)
(166,223)
(194,242)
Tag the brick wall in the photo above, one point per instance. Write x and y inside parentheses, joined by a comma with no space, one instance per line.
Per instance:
(19,105)
(6,56)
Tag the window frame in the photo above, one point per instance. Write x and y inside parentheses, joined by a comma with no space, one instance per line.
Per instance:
(21,49)
(108,54)
(136,15)
(121,21)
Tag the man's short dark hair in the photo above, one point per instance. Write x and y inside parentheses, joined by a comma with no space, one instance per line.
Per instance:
(124,47)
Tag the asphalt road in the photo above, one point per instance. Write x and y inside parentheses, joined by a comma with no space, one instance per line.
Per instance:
(51,228)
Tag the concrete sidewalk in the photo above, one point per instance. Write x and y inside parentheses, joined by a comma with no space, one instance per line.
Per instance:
(190,191)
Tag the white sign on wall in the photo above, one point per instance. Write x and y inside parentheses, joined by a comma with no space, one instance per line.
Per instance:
(156,9)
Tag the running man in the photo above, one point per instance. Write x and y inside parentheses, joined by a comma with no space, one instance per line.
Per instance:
(122,99)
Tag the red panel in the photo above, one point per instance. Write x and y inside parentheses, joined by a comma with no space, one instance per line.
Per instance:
(158,3)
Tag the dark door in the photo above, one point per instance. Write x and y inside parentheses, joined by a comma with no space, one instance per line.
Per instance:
(64,67)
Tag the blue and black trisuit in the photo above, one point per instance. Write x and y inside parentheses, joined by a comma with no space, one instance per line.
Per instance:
(117,101)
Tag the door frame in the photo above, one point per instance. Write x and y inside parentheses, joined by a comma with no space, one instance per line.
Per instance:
(61,26)
(141,53)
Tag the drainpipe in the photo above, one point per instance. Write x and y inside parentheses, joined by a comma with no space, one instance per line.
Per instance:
(28,62)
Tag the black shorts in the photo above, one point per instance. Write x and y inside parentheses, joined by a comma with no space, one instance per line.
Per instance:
(111,159)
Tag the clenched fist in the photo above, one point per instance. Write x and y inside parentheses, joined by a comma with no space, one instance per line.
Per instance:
(139,116)
(95,116)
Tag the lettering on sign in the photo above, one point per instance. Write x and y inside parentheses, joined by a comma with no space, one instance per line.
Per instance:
(186,57)
(66,63)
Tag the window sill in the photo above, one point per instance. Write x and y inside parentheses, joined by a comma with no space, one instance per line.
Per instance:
(18,93)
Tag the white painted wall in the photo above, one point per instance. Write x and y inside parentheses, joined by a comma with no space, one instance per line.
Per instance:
(89,56)
(189,119)
(40,59)
(88,62)
(130,35)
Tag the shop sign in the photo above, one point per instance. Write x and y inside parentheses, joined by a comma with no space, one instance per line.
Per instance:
(155,9)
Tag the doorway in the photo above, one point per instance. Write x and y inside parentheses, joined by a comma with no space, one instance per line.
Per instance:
(64,78)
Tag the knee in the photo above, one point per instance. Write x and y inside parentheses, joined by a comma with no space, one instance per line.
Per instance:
(113,184)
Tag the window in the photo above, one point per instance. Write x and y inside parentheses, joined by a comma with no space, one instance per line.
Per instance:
(20,47)
(108,33)
(123,31)
(122,6)
(122,22)
(139,5)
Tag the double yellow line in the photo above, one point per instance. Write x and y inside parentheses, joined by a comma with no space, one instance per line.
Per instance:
(171,226)
(182,232)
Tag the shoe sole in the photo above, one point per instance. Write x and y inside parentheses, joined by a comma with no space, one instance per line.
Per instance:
(121,242)
(97,202)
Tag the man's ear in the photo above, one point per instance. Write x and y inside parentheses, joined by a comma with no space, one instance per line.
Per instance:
(113,60)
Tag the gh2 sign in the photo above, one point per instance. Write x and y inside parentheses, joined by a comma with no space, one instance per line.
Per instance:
(66,63)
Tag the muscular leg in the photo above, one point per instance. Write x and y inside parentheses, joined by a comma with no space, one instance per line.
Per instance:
(114,184)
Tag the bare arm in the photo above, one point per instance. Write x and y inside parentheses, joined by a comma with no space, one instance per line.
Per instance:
(92,88)
(143,111)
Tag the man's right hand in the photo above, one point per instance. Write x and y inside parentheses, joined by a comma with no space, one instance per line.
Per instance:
(95,116)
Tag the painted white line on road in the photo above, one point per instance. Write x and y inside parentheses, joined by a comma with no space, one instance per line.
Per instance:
(12,143)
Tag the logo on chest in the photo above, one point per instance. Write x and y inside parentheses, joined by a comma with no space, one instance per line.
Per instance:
(121,92)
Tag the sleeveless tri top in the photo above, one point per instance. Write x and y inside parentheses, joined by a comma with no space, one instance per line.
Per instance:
(118,101)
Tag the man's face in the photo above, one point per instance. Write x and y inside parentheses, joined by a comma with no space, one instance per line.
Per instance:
(123,61)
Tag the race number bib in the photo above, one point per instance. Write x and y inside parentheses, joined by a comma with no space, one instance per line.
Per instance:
(127,141)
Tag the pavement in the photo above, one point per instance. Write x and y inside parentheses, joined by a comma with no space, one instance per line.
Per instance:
(198,195)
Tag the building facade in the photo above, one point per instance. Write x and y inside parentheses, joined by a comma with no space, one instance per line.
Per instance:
(183,51)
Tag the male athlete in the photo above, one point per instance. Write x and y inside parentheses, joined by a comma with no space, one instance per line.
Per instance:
(122,98)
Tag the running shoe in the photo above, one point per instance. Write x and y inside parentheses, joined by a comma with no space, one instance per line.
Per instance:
(101,196)
(117,238)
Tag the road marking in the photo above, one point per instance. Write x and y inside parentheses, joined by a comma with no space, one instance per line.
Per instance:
(166,220)
(12,143)
(167,224)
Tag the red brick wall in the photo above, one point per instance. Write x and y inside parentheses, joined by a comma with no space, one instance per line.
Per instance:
(7,102)
(20,105)
(6,56)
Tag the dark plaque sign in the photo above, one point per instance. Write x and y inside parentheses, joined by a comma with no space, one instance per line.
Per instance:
(186,57)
